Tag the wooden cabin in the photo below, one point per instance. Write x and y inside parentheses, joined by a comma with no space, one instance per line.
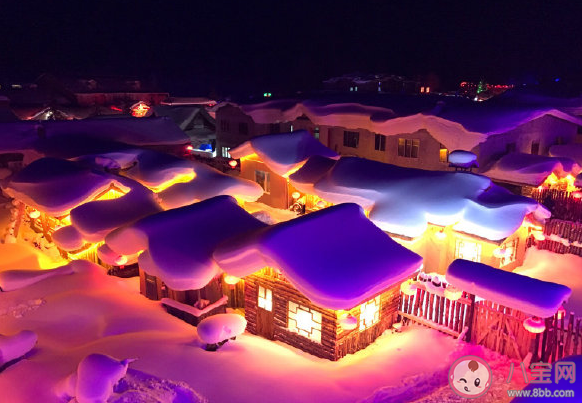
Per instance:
(329,297)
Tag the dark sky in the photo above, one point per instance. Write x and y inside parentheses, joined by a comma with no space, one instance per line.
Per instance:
(194,46)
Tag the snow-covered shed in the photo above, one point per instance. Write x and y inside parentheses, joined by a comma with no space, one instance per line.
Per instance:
(269,160)
(526,294)
(176,263)
(528,171)
(327,282)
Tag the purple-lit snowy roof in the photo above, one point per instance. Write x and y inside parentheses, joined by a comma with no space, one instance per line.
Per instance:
(529,295)
(56,186)
(178,244)
(336,257)
(283,152)
(403,200)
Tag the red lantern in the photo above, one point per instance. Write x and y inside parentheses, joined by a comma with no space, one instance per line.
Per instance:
(534,325)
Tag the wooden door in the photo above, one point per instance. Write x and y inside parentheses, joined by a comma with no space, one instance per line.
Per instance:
(151,287)
(265,312)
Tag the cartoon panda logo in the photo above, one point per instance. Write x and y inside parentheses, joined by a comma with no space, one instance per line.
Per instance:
(470,376)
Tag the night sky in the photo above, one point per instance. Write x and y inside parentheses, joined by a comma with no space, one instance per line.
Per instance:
(194,46)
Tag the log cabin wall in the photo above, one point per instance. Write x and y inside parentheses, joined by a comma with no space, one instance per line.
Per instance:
(282,293)
(335,342)
(350,341)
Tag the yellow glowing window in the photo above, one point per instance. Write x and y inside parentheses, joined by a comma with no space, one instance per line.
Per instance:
(443,153)
(304,321)
(510,254)
(265,299)
(468,250)
(369,313)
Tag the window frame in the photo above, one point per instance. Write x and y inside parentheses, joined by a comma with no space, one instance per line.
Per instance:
(266,182)
(350,137)
(408,148)
(379,142)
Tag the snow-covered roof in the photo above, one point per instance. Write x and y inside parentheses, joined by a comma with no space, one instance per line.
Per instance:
(529,295)
(403,200)
(530,169)
(56,186)
(179,181)
(346,260)
(178,244)
(458,124)
(283,152)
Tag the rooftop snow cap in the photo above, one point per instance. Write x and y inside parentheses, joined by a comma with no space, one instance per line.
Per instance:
(346,261)
(284,152)
(55,186)
(403,200)
(178,244)
(529,295)
(531,169)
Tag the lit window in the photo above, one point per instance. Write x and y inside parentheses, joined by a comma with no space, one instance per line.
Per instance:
(304,321)
(291,128)
(265,300)
(427,90)
(379,142)
(316,133)
(355,88)
(369,313)
(443,153)
(351,139)
(421,89)
(225,152)
(468,250)
(351,88)
(262,178)
(408,148)
(511,253)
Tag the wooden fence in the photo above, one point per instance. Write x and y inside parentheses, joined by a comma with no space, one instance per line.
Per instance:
(561,203)
(494,326)
(562,237)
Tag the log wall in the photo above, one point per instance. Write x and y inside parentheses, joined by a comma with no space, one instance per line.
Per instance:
(335,342)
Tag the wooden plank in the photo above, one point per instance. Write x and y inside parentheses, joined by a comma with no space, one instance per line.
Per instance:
(430,324)
(569,334)
(442,316)
(544,346)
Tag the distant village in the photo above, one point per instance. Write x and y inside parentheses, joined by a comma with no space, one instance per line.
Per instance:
(322,219)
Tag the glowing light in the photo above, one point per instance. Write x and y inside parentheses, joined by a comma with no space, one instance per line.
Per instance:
(183,178)
(34,214)
(304,321)
(348,322)
(503,252)
(534,325)
(231,280)
(453,293)
(369,313)
(189,148)
(233,163)
(408,288)
(440,235)
(265,299)
(554,182)
(561,312)
(321,204)
(84,254)
(121,260)
(139,110)
(577,195)
(295,195)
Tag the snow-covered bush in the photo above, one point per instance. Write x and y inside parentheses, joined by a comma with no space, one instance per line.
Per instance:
(217,329)
(16,346)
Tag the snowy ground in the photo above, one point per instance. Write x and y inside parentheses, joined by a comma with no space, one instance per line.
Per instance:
(89,312)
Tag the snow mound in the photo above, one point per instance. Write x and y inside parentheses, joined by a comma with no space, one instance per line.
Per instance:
(15,346)
(178,244)
(529,295)
(404,200)
(155,169)
(94,380)
(220,327)
(570,151)
(283,152)
(11,280)
(68,238)
(531,169)
(356,262)
(463,159)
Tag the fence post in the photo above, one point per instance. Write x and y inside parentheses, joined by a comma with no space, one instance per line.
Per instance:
(470,318)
